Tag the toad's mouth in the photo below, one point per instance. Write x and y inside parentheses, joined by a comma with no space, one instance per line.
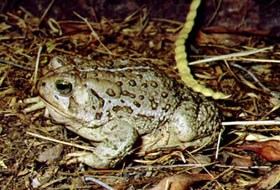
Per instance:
(54,110)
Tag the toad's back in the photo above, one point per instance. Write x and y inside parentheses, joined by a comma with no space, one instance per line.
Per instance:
(133,90)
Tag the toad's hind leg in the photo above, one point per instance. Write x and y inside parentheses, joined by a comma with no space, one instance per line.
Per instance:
(119,138)
(183,124)
(194,120)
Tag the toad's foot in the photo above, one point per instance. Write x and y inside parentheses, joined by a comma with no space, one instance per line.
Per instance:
(33,104)
(90,159)
(118,138)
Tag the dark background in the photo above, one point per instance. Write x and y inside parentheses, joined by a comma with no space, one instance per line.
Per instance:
(259,16)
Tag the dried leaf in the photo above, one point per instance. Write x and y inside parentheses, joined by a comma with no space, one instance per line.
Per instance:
(43,179)
(270,179)
(269,150)
(3,165)
(181,182)
(259,137)
(201,159)
(242,161)
(218,38)
(51,154)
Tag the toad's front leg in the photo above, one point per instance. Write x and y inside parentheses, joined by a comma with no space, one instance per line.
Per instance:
(119,138)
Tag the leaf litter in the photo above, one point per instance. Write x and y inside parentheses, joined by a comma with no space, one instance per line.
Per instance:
(27,162)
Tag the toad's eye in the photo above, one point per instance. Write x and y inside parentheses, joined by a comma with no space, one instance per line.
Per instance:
(64,87)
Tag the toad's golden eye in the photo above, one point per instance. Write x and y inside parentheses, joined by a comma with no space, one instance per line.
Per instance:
(64,87)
